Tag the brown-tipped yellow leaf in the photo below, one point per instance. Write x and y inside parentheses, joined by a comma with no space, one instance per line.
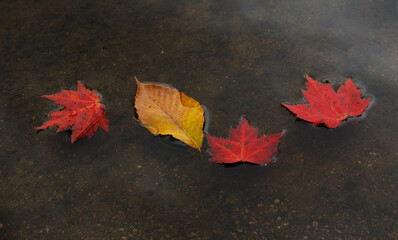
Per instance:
(166,111)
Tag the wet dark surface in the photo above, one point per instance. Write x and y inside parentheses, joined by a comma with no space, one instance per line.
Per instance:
(235,57)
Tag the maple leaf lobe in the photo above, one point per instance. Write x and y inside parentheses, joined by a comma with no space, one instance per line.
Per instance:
(327,106)
(244,145)
(82,112)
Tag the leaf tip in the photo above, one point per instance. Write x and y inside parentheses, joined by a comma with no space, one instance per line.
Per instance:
(309,78)
(137,81)
(80,86)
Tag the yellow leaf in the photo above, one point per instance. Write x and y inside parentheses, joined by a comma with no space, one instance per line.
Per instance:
(166,111)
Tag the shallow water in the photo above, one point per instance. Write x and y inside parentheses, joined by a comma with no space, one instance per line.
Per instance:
(235,57)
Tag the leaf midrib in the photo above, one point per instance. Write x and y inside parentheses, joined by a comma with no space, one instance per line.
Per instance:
(332,108)
(175,121)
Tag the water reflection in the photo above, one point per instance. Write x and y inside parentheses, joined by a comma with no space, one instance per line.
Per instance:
(235,57)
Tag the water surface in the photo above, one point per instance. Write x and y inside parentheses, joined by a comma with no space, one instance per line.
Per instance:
(235,57)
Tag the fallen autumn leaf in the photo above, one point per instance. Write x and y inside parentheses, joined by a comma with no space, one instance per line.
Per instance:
(82,112)
(166,111)
(328,107)
(244,145)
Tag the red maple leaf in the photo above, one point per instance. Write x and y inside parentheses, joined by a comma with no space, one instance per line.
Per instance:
(82,112)
(244,146)
(328,107)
